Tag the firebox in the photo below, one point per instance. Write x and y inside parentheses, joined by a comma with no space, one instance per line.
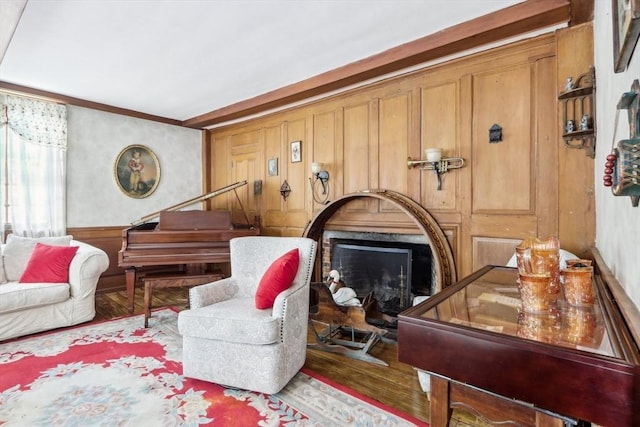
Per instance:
(392,271)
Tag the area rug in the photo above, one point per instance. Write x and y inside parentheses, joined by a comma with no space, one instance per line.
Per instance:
(117,373)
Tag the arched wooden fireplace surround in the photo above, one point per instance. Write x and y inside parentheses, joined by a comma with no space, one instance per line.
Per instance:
(444,264)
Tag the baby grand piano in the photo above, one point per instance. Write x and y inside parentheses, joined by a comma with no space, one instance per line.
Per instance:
(188,239)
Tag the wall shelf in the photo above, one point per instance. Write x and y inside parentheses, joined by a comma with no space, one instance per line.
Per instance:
(578,113)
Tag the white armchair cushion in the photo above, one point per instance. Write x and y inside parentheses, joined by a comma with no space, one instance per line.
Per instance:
(234,320)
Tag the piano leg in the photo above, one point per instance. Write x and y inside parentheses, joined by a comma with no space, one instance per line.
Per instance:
(130,275)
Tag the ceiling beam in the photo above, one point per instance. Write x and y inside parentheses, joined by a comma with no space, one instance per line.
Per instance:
(518,19)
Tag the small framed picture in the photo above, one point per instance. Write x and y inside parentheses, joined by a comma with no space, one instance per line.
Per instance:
(296,151)
(272,167)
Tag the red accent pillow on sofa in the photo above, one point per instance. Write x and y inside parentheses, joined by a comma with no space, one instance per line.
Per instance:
(49,264)
(278,277)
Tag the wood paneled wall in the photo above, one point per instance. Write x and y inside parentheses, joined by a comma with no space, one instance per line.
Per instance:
(527,184)
(524,185)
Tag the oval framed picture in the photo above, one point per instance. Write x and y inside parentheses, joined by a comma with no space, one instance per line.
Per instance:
(137,171)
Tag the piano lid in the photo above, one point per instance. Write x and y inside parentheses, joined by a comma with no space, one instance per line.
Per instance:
(201,198)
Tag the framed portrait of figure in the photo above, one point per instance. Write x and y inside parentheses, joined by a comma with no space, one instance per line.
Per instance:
(137,171)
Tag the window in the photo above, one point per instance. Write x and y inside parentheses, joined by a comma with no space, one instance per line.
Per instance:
(33,143)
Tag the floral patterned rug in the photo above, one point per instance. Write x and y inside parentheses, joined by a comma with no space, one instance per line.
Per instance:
(118,373)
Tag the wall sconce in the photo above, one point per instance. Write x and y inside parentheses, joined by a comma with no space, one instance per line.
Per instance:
(285,190)
(436,163)
(321,176)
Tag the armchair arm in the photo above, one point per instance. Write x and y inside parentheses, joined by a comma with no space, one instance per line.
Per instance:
(211,293)
(85,269)
(292,307)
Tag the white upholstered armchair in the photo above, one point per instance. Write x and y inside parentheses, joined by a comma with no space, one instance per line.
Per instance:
(228,340)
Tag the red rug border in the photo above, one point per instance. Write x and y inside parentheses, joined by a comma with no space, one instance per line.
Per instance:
(364,398)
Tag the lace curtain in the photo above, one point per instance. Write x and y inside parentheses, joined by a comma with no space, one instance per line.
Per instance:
(33,148)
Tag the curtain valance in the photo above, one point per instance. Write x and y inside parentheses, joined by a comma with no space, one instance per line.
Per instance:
(38,122)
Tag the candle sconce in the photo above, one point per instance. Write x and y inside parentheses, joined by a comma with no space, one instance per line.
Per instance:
(319,176)
(436,163)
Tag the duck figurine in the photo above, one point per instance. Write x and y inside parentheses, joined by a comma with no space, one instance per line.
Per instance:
(342,294)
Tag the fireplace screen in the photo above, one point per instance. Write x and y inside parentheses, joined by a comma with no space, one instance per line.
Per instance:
(394,272)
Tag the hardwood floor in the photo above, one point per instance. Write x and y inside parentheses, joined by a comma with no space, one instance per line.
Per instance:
(395,385)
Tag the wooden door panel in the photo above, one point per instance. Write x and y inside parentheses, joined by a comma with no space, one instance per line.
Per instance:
(246,166)
(271,200)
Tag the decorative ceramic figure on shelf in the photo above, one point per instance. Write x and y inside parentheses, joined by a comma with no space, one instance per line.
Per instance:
(342,295)
(571,126)
(569,85)
(585,122)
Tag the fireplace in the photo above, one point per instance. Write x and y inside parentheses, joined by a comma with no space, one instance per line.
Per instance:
(392,268)
(419,263)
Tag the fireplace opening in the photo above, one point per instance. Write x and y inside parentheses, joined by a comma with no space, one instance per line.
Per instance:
(393,272)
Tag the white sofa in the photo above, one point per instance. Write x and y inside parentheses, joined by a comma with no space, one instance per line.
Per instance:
(26,308)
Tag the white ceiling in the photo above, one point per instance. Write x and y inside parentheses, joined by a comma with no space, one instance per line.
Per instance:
(182,58)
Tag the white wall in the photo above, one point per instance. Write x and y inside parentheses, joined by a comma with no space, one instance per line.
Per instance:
(617,222)
(95,139)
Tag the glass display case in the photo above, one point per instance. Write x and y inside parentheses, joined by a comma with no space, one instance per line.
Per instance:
(578,361)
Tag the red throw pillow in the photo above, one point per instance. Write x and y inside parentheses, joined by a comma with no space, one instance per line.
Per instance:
(278,277)
(49,264)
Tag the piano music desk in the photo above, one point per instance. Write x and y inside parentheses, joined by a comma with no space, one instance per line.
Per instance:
(152,281)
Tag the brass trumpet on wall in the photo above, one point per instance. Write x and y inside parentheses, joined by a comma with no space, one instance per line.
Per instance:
(436,163)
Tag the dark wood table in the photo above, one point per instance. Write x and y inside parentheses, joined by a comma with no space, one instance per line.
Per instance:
(581,362)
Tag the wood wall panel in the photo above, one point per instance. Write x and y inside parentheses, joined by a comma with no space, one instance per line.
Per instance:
(297,173)
(576,179)
(492,251)
(356,164)
(325,151)
(546,137)
(221,164)
(394,130)
(503,97)
(439,130)
(109,239)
